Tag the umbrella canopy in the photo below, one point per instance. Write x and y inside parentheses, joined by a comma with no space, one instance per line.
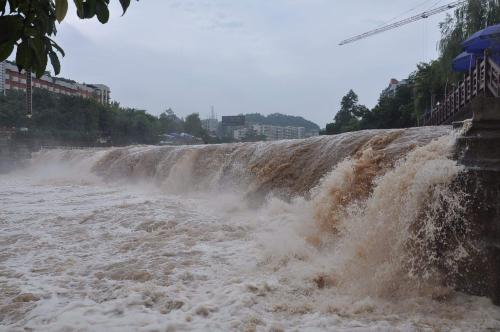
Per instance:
(483,39)
(465,62)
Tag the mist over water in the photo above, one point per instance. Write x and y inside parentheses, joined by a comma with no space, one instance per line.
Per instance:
(328,233)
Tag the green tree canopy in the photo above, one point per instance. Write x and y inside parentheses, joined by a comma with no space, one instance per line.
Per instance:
(347,118)
(29,26)
(429,83)
(192,125)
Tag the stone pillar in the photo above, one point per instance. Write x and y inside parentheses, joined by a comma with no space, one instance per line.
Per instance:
(478,149)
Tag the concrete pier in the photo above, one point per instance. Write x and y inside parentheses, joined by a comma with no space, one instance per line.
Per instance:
(478,149)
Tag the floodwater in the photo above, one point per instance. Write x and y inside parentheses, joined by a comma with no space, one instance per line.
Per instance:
(329,233)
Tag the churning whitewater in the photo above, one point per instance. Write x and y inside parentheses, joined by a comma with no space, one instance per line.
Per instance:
(329,233)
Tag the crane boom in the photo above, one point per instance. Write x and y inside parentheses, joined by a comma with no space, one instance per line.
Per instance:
(408,20)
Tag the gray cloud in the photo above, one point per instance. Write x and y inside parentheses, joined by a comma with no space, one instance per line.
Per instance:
(246,56)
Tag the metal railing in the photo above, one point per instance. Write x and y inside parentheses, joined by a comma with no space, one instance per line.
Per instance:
(483,80)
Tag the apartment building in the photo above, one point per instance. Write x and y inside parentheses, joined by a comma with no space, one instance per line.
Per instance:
(12,79)
(274,133)
(241,133)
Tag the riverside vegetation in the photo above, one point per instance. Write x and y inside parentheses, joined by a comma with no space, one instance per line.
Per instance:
(427,84)
(82,122)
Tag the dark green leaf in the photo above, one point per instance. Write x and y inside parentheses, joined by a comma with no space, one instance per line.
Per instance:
(41,66)
(6,50)
(42,22)
(58,48)
(23,55)
(61,9)
(125,4)
(38,48)
(3,4)
(89,8)
(102,11)
(10,28)
(54,60)
(79,8)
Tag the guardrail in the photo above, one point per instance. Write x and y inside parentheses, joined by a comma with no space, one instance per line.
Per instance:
(483,80)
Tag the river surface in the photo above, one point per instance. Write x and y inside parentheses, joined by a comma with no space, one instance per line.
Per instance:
(324,234)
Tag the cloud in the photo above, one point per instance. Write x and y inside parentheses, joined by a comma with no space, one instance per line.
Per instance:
(245,56)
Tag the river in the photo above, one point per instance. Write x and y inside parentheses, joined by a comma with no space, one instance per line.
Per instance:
(329,233)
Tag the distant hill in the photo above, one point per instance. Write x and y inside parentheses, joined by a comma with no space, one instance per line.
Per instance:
(278,119)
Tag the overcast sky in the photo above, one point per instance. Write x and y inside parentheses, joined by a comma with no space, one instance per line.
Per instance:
(245,56)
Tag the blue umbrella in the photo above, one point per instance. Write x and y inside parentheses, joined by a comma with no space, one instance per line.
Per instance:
(465,62)
(483,39)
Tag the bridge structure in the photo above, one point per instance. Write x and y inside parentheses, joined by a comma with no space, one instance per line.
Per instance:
(481,81)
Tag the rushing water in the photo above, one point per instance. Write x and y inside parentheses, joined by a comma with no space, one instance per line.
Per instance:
(330,233)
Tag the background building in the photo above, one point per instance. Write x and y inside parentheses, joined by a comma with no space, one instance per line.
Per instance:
(394,84)
(241,134)
(231,123)
(2,77)
(12,79)
(251,127)
(274,133)
(210,125)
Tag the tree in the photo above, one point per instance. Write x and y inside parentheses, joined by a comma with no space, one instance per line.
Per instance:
(347,118)
(169,122)
(392,111)
(29,26)
(192,125)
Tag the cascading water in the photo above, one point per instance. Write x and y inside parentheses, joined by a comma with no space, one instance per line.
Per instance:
(347,232)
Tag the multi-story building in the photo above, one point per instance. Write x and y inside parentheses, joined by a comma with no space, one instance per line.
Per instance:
(12,79)
(274,133)
(242,133)
(2,77)
(391,90)
(294,132)
(311,133)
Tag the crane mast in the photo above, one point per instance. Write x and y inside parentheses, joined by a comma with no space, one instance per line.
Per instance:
(406,21)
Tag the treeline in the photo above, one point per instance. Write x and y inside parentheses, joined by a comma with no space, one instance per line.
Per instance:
(283,120)
(427,84)
(71,120)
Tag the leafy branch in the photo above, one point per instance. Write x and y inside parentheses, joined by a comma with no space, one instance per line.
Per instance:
(28,26)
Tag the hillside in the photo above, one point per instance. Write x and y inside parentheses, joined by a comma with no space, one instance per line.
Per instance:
(278,119)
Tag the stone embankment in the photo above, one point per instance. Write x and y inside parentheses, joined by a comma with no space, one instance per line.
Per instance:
(478,150)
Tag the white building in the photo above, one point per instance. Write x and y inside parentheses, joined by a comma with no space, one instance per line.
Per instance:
(241,133)
(102,92)
(274,133)
(311,133)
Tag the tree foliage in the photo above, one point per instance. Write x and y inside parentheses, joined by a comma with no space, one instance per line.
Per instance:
(278,119)
(429,83)
(72,120)
(29,26)
(349,116)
